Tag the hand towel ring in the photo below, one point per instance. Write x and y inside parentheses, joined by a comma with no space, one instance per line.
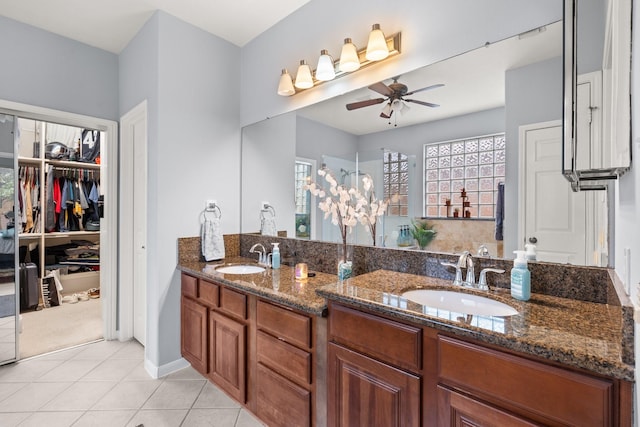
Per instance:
(215,211)
(267,209)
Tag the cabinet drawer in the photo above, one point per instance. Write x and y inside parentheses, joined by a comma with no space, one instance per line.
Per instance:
(233,303)
(284,324)
(284,358)
(189,286)
(393,342)
(280,402)
(208,293)
(543,392)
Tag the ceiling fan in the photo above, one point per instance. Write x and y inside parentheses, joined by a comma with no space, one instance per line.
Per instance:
(394,95)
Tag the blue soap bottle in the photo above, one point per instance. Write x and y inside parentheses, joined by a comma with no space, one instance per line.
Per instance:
(275,256)
(520,277)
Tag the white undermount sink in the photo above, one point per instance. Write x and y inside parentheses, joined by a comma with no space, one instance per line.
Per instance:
(240,269)
(460,302)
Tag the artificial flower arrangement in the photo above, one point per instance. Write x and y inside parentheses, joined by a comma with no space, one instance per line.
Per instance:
(347,205)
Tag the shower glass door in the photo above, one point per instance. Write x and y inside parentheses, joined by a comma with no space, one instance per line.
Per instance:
(9,312)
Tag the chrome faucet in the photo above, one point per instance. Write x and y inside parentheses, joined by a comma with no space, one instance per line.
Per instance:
(482,281)
(262,254)
(465,261)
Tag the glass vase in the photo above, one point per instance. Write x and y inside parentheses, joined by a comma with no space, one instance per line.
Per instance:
(345,263)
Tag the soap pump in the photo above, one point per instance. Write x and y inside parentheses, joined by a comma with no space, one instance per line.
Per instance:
(530,253)
(275,256)
(520,277)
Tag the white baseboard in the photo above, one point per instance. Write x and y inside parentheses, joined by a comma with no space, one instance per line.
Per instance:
(161,371)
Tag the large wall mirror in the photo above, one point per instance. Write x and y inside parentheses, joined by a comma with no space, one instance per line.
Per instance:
(597,118)
(510,89)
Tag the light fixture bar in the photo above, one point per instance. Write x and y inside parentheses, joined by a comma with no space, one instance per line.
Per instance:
(393,43)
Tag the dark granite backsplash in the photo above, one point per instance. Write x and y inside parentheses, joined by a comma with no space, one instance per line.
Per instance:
(592,284)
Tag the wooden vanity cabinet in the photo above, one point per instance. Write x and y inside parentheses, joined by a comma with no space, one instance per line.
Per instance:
(260,353)
(284,375)
(383,372)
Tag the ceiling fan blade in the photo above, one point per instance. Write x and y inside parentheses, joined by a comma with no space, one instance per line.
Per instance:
(424,88)
(381,88)
(365,103)
(427,104)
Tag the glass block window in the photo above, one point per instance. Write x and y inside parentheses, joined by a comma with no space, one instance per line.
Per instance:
(475,165)
(396,182)
(303,172)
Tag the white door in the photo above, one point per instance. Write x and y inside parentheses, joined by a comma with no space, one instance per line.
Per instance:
(133,227)
(554,217)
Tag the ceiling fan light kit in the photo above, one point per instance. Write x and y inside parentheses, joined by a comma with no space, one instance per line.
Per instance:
(351,59)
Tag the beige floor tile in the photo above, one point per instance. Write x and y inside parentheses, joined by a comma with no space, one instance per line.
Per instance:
(187,373)
(212,397)
(105,418)
(7,389)
(130,350)
(80,396)
(211,418)
(139,373)
(246,419)
(61,354)
(69,370)
(111,370)
(100,350)
(178,394)
(29,370)
(14,418)
(127,395)
(51,419)
(32,397)
(159,418)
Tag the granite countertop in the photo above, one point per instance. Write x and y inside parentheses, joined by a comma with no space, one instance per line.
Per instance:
(278,285)
(581,334)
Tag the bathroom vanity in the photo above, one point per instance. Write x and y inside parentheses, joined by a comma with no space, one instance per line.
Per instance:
(324,352)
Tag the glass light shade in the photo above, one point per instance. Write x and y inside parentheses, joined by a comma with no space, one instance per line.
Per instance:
(303,77)
(377,47)
(349,60)
(387,110)
(285,87)
(325,70)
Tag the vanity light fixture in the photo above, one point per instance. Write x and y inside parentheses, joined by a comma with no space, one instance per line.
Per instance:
(351,59)
(285,87)
(325,70)
(303,77)
(377,48)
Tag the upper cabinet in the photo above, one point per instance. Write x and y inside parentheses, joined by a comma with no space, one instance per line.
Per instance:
(597,101)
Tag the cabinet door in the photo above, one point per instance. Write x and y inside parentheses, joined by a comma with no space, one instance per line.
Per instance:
(227,355)
(457,410)
(365,392)
(193,334)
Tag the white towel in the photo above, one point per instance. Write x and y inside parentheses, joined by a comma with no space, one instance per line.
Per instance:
(269,227)
(212,241)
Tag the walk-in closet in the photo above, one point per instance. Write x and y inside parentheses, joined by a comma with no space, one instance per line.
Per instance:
(59,207)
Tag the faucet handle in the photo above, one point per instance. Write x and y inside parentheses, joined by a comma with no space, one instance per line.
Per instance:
(458,280)
(482,281)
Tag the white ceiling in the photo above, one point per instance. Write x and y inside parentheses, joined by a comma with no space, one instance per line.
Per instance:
(111,24)
(474,81)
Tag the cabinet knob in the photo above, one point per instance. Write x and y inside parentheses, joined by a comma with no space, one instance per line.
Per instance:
(533,240)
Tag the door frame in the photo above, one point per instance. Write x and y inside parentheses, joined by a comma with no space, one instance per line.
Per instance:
(126,251)
(109,185)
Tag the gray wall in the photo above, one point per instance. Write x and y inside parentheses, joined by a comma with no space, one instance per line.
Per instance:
(533,94)
(42,69)
(190,80)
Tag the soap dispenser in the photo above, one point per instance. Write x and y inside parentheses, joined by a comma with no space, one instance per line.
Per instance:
(275,256)
(520,277)
(530,253)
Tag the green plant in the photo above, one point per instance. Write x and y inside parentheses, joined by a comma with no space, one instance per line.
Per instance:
(423,232)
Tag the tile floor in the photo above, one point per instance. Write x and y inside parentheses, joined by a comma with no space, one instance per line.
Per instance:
(105,384)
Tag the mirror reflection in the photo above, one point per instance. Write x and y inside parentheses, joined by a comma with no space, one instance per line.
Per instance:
(497,98)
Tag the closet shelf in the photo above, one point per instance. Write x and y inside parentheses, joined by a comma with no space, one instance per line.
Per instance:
(30,235)
(68,164)
(61,234)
